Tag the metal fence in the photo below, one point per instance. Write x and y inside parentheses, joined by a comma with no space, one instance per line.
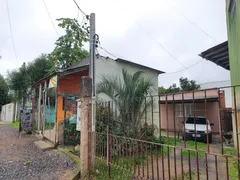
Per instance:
(188,135)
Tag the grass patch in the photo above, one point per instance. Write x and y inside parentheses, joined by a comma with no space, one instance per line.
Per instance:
(15,124)
(100,171)
(232,163)
(189,145)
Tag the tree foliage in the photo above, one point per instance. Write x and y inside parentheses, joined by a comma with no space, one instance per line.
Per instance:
(40,67)
(129,95)
(69,47)
(20,80)
(4,97)
(185,85)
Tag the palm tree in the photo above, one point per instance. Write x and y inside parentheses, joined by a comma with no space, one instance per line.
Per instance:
(128,94)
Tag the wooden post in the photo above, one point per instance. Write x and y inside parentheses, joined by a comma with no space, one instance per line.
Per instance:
(44,106)
(86,125)
(39,107)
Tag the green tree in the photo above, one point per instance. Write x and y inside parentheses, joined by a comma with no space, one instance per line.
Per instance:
(129,96)
(4,97)
(185,85)
(69,47)
(20,82)
(188,85)
(40,67)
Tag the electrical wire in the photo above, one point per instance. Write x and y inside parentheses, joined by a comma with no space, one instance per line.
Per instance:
(159,44)
(50,18)
(185,68)
(80,8)
(190,21)
(116,56)
(10,26)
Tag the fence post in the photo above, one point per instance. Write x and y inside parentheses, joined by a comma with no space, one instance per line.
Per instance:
(86,125)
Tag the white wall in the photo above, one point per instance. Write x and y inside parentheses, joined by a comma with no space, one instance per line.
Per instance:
(111,67)
(7,113)
(221,84)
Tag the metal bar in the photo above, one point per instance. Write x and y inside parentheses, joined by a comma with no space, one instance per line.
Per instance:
(157,162)
(197,165)
(152,118)
(227,170)
(168,151)
(159,115)
(142,148)
(109,145)
(152,161)
(147,160)
(182,165)
(171,146)
(195,128)
(175,163)
(138,159)
(206,162)
(220,122)
(206,115)
(184,121)
(216,167)
(163,174)
(145,110)
(189,165)
(236,126)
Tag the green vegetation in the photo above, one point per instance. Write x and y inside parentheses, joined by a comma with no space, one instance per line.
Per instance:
(69,47)
(117,172)
(232,163)
(68,50)
(189,145)
(5,98)
(129,96)
(185,85)
(15,124)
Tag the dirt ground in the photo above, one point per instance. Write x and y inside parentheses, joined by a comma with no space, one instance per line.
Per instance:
(21,159)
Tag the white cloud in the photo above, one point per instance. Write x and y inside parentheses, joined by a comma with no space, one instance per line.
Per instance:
(119,33)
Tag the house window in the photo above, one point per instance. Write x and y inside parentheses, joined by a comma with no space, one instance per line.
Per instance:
(188,110)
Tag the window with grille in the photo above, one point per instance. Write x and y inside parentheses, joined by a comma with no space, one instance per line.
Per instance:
(188,110)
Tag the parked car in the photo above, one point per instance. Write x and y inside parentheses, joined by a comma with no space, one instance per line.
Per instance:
(201,129)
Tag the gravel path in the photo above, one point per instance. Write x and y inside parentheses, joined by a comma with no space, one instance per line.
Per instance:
(20,159)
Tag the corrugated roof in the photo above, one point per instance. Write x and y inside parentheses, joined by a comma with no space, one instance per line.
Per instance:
(86,62)
(139,65)
(218,55)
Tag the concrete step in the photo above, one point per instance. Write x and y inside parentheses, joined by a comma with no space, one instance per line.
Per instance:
(43,145)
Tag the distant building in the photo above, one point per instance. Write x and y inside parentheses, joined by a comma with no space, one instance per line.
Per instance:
(221,84)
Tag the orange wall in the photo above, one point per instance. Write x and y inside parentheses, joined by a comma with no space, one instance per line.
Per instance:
(71,85)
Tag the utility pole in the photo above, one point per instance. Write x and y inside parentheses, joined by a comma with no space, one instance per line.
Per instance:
(92,72)
(92,55)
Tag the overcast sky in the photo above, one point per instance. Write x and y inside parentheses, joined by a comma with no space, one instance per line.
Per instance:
(118,24)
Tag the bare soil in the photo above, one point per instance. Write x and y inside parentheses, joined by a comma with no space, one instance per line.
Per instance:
(20,159)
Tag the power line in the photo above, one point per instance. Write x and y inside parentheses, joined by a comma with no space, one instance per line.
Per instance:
(117,56)
(80,8)
(185,68)
(114,55)
(159,44)
(190,20)
(50,18)
(9,19)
